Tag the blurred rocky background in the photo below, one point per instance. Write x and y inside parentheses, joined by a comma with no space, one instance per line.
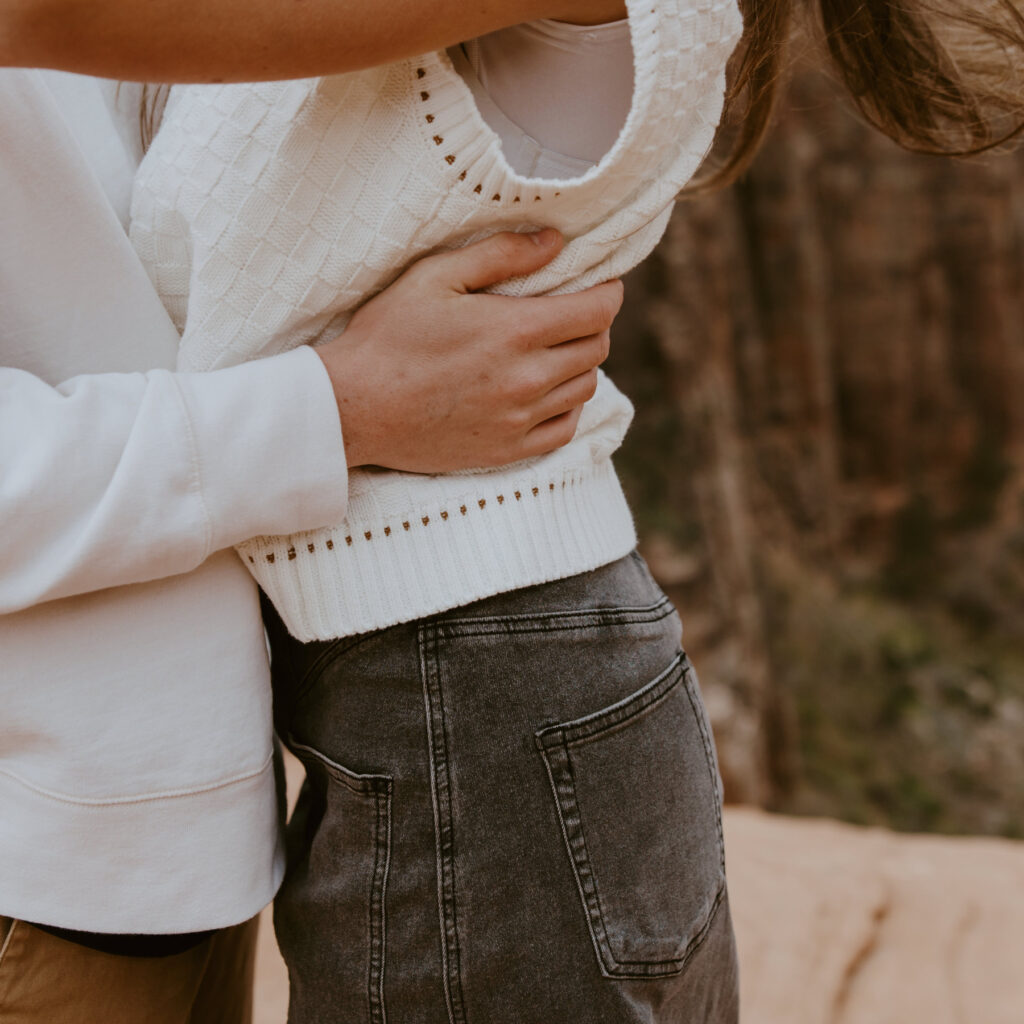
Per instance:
(827,469)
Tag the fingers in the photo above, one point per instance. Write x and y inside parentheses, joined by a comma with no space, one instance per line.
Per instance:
(496,259)
(553,319)
(551,434)
(566,396)
(571,358)
(557,413)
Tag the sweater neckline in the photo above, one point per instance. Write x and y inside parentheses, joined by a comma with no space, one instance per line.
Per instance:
(470,152)
(496,119)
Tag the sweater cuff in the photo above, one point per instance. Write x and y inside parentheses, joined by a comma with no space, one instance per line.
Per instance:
(269,451)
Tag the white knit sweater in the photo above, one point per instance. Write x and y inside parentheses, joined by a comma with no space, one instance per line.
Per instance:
(266,214)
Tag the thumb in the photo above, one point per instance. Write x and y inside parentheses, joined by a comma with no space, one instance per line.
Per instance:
(496,259)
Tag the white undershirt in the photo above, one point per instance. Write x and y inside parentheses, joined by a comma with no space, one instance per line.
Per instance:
(556,94)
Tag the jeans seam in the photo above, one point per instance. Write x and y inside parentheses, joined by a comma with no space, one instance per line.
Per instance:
(360,785)
(553,622)
(598,724)
(588,887)
(378,915)
(710,760)
(440,778)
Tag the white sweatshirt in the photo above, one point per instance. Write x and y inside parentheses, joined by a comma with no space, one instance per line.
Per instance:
(265,214)
(136,793)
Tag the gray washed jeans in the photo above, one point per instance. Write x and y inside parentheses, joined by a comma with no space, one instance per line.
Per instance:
(511,816)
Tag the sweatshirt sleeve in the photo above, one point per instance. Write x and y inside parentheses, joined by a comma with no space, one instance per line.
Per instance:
(118,478)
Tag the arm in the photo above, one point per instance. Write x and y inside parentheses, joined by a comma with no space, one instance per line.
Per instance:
(249,40)
(119,478)
(111,479)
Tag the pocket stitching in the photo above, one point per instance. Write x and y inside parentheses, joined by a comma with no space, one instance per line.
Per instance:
(709,758)
(553,744)
(360,784)
(599,723)
(378,916)
(595,922)
(379,788)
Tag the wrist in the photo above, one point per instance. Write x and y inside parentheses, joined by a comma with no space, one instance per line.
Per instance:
(337,360)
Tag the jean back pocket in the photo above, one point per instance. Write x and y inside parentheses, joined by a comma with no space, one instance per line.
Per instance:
(638,797)
(321,913)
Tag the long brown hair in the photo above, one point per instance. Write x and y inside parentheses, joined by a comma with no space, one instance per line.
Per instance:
(934,77)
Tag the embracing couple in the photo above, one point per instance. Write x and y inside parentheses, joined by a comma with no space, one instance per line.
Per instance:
(309,378)
(321,325)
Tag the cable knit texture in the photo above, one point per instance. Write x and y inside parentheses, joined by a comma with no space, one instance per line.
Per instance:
(266,214)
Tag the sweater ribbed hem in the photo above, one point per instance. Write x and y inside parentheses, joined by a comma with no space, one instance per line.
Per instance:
(173,863)
(508,530)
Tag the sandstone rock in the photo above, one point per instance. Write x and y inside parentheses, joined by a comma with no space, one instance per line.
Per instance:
(841,925)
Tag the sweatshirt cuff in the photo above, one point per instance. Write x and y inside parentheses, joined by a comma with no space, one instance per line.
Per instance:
(268,444)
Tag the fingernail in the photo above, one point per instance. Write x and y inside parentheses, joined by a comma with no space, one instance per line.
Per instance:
(547,237)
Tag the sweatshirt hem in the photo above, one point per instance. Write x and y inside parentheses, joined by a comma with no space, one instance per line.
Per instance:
(136,798)
(202,860)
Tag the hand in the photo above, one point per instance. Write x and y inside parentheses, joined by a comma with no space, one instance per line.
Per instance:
(431,376)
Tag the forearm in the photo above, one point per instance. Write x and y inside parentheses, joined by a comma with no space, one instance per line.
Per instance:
(249,40)
(111,479)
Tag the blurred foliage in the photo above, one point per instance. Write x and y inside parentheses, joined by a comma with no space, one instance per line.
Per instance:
(901,717)
(827,467)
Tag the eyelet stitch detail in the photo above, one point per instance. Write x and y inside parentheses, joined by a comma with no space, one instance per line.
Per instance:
(292,552)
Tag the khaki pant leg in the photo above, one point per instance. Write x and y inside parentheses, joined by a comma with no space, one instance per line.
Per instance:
(225,994)
(45,980)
